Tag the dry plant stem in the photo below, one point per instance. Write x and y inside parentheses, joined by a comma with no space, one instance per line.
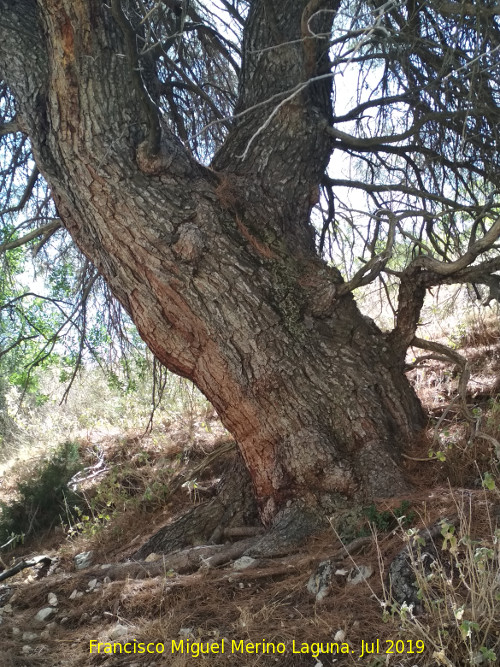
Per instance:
(420,460)
(12,539)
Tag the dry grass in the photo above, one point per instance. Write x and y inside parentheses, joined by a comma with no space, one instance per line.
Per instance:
(459,590)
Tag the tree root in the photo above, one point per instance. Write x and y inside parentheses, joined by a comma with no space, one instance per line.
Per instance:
(233,507)
(232,513)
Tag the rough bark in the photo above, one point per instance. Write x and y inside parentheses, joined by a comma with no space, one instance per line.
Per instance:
(217,267)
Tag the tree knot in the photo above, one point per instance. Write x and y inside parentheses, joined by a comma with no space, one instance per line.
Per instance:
(190,244)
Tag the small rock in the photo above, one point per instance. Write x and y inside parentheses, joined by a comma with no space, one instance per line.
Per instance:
(83,560)
(44,614)
(359,574)
(118,631)
(16,631)
(52,599)
(91,585)
(243,562)
(339,636)
(341,573)
(49,629)
(29,636)
(106,580)
(187,632)
(319,582)
(27,649)
(95,619)
(152,557)
(7,609)
(5,594)
(64,620)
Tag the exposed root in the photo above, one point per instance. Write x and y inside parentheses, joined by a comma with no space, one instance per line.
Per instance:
(290,529)
(234,506)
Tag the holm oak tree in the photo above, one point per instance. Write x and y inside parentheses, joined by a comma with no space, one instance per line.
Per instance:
(208,156)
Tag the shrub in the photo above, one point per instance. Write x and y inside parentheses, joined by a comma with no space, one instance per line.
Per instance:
(45,498)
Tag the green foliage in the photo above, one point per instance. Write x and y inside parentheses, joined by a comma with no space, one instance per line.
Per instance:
(358,521)
(88,523)
(389,519)
(45,499)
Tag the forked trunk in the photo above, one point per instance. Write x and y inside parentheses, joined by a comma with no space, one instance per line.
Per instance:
(217,268)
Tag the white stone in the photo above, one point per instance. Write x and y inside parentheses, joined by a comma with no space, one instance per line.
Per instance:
(83,560)
(186,632)
(359,574)
(52,599)
(76,594)
(29,636)
(92,584)
(243,562)
(339,636)
(118,631)
(320,580)
(44,614)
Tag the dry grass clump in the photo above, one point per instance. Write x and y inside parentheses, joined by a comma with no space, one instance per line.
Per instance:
(459,590)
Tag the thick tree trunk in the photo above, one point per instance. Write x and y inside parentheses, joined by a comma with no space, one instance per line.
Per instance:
(217,267)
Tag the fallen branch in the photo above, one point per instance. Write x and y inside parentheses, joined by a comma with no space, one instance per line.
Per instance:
(23,564)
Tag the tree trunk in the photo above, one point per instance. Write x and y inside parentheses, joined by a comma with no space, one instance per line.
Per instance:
(217,267)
